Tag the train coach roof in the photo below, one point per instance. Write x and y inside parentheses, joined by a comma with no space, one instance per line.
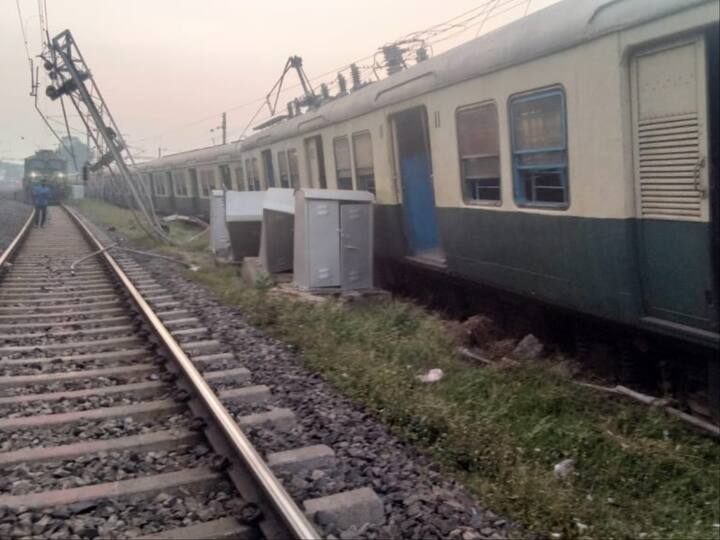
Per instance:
(557,27)
(199,156)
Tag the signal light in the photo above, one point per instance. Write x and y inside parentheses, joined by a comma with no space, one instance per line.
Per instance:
(65,88)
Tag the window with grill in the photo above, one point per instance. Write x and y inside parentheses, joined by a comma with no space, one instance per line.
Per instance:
(240,177)
(207,177)
(294,168)
(160,184)
(343,168)
(253,176)
(193,182)
(225,178)
(180,184)
(479,147)
(248,172)
(539,145)
(364,168)
(283,169)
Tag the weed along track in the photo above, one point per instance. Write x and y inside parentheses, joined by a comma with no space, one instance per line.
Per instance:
(113,408)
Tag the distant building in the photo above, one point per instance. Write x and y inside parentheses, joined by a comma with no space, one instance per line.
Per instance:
(82,153)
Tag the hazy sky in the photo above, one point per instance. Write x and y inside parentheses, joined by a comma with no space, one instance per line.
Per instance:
(164,64)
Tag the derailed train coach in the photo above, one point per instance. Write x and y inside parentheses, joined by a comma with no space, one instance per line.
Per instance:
(570,156)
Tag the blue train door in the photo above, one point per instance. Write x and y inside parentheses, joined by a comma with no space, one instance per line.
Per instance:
(415,170)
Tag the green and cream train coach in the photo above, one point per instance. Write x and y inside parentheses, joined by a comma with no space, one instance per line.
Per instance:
(570,156)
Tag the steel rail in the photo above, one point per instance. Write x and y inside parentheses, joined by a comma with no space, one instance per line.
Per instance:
(15,244)
(291,515)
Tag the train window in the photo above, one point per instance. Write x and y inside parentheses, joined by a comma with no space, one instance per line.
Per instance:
(268,168)
(160,184)
(248,172)
(479,147)
(226,180)
(539,145)
(206,180)
(283,169)
(180,184)
(343,169)
(194,182)
(253,177)
(240,177)
(294,168)
(255,174)
(364,169)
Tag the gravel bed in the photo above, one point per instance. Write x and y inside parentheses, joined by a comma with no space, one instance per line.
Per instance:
(88,430)
(96,469)
(65,386)
(77,404)
(119,519)
(420,502)
(12,217)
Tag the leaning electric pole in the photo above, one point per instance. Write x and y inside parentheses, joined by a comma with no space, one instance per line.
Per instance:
(71,76)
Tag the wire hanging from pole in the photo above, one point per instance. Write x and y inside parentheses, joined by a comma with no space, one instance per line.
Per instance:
(527,7)
(487,14)
(42,5)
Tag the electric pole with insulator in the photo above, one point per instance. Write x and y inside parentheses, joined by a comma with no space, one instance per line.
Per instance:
(222,127)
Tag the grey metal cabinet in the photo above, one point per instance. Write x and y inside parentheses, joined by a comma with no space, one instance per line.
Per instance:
(333,239)
(356,246)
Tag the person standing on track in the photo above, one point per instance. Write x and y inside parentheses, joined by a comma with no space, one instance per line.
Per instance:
(41,197)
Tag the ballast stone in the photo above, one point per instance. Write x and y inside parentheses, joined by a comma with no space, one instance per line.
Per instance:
(347,509)
(529,348)
(306,458)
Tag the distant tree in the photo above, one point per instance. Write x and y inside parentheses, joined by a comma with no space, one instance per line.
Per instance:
(10,172)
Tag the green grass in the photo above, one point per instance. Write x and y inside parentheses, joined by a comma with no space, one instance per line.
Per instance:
(639,473)
(185,236)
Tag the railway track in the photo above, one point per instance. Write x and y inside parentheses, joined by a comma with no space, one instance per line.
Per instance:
(113,422)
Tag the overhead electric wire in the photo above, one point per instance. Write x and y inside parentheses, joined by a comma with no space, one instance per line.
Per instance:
(42,5)
(22,29)
(515,4)
(527,7)
(487,9)
(443,27)
(34,86)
